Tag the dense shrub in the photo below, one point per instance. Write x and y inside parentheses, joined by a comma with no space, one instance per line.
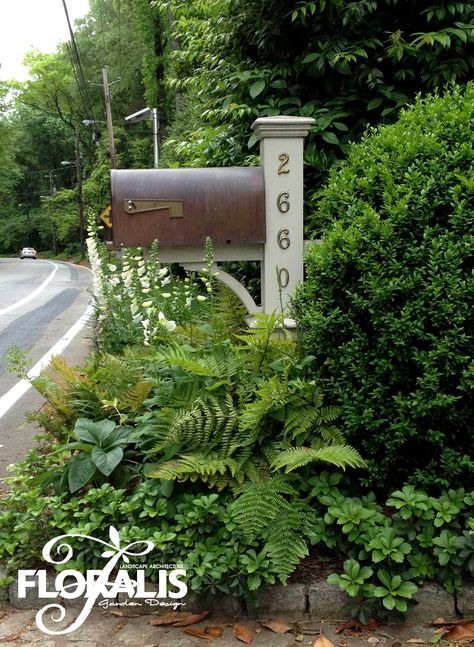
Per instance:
(388,302)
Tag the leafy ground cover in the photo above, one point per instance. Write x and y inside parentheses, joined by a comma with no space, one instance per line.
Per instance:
(207,438)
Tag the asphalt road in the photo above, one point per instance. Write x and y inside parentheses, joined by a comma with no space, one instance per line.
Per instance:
(40,304)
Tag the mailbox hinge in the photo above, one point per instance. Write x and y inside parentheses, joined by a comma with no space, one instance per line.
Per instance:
(175,207)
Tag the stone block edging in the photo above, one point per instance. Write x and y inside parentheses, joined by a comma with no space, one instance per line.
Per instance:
(317,600)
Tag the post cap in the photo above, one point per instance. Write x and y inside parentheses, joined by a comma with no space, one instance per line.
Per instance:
(282,126)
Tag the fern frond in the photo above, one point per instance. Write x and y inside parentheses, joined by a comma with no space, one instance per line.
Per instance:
(339,455)
(229,309)
(209,365)
(286,546)
(250,467)
(329,414)
(259,503)
(192,467)
(263,326)
(63,370)
(300,421)
(271,394)
(134,397)
(331,435)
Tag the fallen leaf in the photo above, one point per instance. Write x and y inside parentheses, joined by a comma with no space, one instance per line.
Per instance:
(207,633)
(167,618)
(373,640)
(299,638)
(342,643)
(461,632)
(277,626)
(243,633)
(322,641)
(178,618)
(447,623)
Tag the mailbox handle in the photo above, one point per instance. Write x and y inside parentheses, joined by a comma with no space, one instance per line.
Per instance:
(175,207)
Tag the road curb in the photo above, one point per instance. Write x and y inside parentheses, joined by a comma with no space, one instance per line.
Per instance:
(317,600)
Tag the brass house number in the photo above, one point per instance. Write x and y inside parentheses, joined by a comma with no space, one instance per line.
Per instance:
(284,159)
(283,236)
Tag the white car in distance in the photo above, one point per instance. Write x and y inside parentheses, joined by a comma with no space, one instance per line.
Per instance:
(28,252)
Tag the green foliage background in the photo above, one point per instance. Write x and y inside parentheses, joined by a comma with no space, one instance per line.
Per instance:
(211,67)
(388,301)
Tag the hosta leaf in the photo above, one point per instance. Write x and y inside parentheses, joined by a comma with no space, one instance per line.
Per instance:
(106,462)
(93,432)
(81,470)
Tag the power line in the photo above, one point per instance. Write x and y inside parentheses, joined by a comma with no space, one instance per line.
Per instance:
(79,85)
(80,72)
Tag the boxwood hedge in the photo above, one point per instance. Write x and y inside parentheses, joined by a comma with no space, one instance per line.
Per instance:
(387,305)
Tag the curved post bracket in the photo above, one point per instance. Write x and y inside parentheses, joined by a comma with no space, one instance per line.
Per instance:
(229,281)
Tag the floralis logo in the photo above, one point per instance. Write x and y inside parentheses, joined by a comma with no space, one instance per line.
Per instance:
(70,584)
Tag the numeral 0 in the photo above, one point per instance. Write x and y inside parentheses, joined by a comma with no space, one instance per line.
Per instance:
(282,202)
(283,238)
(283,277)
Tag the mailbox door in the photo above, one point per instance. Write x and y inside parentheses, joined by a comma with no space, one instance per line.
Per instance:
(181,207)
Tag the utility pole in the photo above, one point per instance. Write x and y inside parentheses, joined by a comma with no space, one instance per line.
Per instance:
(79,162)
(52,192)
(108,111)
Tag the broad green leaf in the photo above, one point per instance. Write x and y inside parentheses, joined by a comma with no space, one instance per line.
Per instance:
(93,432)
(407,589)
(252,140)
(330,138)
(257,88)
(119,437)
(106,462)
(81,470)
(384,577)
(374,103)
(166,488)
(389,602)
(279,84)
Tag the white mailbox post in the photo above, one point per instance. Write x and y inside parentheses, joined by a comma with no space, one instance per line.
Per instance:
(281,151)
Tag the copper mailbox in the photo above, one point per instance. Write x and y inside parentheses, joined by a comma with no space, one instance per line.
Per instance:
(181,207)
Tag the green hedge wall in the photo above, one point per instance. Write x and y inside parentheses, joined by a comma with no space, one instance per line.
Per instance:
(387,305)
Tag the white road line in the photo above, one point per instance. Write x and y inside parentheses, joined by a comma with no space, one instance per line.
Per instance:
(16,392)
(34,294)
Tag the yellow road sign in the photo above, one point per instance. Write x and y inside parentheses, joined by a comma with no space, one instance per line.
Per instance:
(105,216)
